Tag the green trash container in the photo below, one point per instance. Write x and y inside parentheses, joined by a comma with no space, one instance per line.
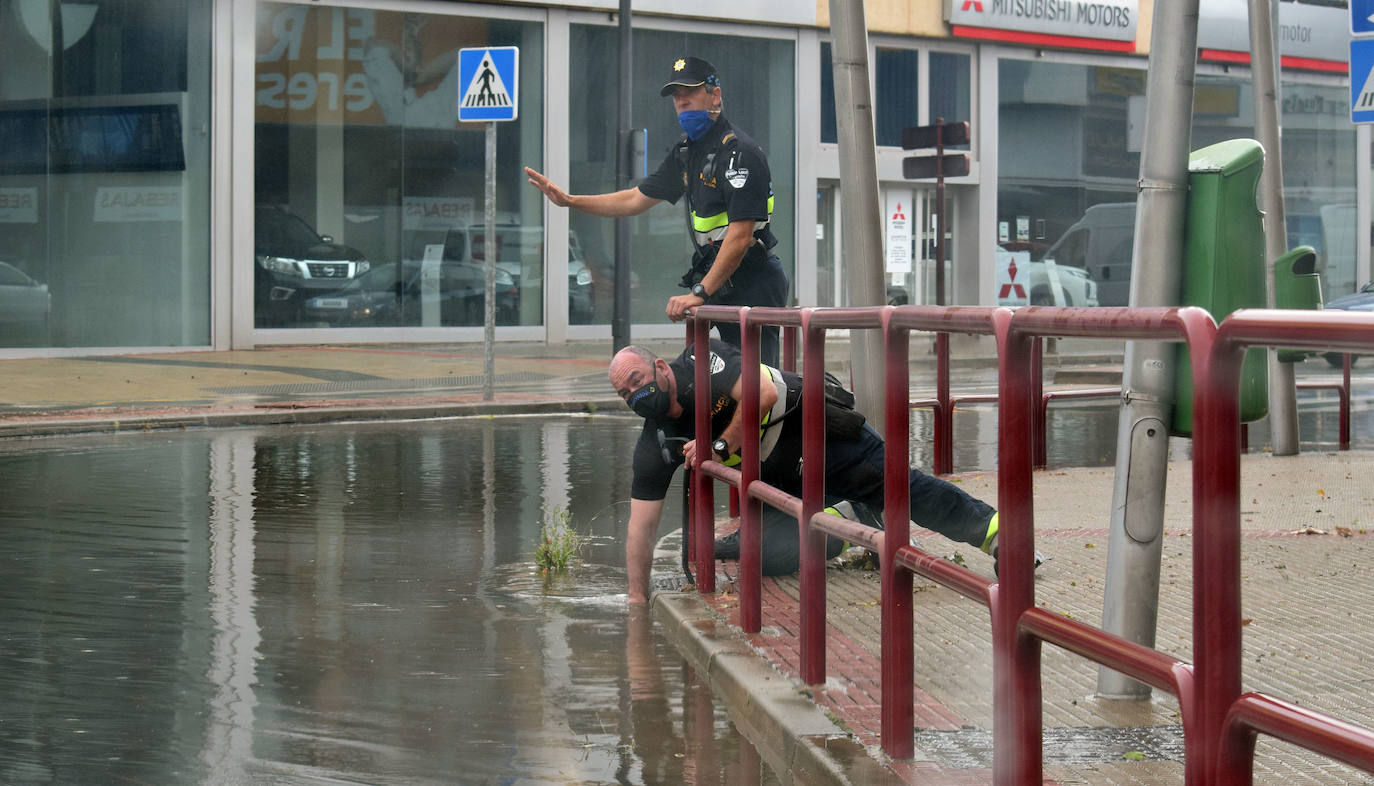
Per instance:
(1297,285)
(1223,262)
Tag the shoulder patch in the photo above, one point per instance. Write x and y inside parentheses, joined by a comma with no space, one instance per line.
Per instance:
(717,363)
(735,174)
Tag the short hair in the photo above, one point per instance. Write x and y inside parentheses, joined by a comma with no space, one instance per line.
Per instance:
(628,359)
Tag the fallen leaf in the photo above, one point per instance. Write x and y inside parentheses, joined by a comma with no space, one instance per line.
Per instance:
(1344,532)
(1133,756)
(1246,621)
(1307,531)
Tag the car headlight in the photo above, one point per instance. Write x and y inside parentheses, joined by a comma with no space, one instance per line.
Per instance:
(583,277)
(288,267)
(503,278)
(361,266)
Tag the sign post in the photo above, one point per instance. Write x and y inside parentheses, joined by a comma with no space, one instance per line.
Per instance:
(488,78)
(939,166)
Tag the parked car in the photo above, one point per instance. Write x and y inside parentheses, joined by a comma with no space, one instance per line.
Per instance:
(519,248)
(393,295)
(1100,243)
(1359,301)
(25,308)
(293,262)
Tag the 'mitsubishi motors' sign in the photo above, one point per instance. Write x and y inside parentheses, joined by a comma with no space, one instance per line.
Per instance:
(1112,20)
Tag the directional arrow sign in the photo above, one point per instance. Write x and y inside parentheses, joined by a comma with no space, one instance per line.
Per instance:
(1362,17)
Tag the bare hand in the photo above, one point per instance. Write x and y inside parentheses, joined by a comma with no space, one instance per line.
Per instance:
(678,306)
(689,451)
(555,194)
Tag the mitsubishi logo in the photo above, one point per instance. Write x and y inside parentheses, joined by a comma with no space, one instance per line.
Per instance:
(976,5)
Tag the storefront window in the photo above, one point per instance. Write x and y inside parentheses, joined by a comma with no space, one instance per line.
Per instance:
(1064,146)
(950,87)
(369,192)
(1069,156)
(104,174)
(757,77)
(897,97)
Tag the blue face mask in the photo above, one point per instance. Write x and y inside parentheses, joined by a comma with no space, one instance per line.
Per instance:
(695,122)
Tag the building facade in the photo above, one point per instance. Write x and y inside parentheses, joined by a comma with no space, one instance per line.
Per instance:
(189,174)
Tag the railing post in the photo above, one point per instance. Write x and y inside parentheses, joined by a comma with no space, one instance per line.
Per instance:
(1040,452)
(1216,548)
(703,498)
(1345,401)
(944,410)
(898,674)
(789,348)
(1017,722)
(812,633)
(750,510)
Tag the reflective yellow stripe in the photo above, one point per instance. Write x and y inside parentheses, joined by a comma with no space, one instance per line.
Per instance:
(708,223)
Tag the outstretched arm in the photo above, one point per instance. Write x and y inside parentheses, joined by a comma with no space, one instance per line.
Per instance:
(616,204)
(639,546)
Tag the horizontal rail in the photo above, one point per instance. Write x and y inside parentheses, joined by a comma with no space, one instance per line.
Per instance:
(962,580)
(1256,713)
(1150,666)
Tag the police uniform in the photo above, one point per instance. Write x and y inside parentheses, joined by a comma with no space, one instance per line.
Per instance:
(725,177)
(853,466)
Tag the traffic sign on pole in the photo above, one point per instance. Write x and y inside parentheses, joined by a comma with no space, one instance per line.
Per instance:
(488,80)
(1362,17)
(1362,80)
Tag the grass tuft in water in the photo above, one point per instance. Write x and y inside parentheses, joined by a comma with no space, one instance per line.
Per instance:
(559,543)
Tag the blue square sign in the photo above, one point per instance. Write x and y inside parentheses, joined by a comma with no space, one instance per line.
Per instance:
(488,78)
(1362,80)
(1362,17)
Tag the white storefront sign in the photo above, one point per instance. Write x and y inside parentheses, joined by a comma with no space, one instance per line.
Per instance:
(1111,20)
(18,206)
(1013,275)
(898,221)
(1319,32)
(150,203)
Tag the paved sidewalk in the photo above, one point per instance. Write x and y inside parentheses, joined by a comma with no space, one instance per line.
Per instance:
(1307,553)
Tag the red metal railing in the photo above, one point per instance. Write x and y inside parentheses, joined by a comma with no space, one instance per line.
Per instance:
(1220,724)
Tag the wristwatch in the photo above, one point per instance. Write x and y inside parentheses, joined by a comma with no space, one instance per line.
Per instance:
(700,291)
(720,446)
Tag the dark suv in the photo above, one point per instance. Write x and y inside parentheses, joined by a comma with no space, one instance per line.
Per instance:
(293,263)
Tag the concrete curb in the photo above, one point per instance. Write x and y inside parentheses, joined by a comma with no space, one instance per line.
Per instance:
(306,415)
(798,741)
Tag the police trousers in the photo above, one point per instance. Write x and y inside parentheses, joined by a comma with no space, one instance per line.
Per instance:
(854,472)
(757,282)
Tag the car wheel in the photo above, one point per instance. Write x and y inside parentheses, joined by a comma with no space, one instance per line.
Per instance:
(1040,296)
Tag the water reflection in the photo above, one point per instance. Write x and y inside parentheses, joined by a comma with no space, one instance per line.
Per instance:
(350,603)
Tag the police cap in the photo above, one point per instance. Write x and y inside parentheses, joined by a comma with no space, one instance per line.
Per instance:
(690,72)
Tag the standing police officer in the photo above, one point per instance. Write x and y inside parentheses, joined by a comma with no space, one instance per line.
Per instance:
(725,177)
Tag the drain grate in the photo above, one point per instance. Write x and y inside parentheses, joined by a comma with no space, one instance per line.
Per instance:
(353,386)
(972,748)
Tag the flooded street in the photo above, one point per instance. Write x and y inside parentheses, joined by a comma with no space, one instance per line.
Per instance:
(336,604)
(359,603)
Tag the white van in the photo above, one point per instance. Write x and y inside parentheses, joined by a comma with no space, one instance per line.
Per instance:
(1100,243)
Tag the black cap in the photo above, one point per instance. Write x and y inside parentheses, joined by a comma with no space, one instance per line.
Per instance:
(690,72)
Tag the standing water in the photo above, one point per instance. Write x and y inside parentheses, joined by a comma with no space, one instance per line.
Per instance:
(350,603)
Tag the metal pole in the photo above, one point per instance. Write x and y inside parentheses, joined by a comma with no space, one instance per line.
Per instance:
(620,311)
(860,211)
(489,262)
(1130,604)
(1264,71)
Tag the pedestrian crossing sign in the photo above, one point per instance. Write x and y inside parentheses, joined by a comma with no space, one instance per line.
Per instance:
(1362,80)
(488,78)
